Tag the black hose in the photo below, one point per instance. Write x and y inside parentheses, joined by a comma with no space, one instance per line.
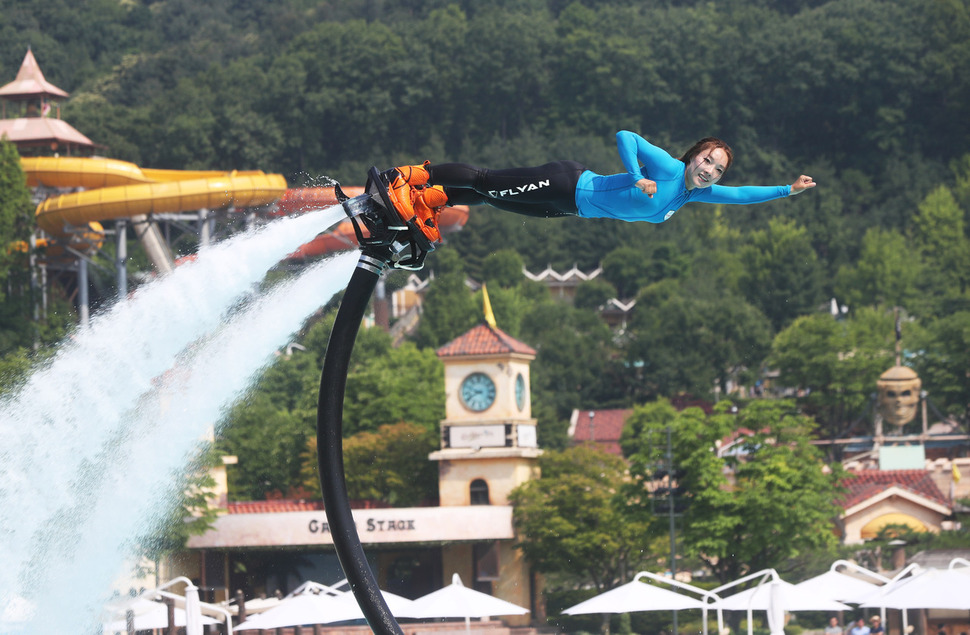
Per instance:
(333,381)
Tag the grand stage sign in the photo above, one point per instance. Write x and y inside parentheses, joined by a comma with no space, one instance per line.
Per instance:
(375,526)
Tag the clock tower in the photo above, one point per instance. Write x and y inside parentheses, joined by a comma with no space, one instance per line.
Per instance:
(488,448)
(488,438)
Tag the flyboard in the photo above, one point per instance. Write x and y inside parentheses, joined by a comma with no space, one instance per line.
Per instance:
(385,220)
(392,234)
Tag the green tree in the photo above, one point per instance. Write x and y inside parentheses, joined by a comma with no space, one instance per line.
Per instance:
(577,526)
(270,429)
(509,305)
(449,309)
(15,207)
(403,384)
(389,465)
(755,504)
(886,274)
(16,222)
(268,440)
(835,363)
(692,342)
(947,60)
(593,294)
(961,187)
(626,268)
(940,236)
(503,268)
(630,268)
(14,369)
(782,276)
(942,362)
(574,365)
(510,72)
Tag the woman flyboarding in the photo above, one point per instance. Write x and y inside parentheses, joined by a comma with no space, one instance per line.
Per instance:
(651,193)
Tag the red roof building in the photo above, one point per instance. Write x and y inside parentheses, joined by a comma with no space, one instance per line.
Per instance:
(600,427)
(876,499)
(865,484)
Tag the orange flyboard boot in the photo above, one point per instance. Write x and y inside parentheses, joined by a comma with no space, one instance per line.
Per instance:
(428,202)
(400,194)
(413,200)
(403,181)
(415,175)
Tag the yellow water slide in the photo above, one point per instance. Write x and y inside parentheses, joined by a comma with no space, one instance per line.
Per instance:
(118,189)
(111,189)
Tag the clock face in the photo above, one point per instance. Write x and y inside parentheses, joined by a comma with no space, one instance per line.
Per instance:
(477,392)
(520,391)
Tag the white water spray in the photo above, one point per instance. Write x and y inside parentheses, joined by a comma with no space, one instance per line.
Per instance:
(91,446)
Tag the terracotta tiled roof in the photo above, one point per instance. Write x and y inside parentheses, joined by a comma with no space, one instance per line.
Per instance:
(604,429)
(274,506)
(484,340)
(281,505)
(865,484)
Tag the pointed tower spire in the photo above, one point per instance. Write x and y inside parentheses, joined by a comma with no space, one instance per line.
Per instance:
(30,83)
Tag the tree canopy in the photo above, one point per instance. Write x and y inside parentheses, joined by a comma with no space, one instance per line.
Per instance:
(756,504)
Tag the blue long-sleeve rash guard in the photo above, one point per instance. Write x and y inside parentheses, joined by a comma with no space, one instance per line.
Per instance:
(617,196)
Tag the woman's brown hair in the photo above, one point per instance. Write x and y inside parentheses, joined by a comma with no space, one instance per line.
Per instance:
(709,143)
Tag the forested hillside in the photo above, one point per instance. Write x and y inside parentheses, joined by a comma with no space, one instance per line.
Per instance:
(870,97)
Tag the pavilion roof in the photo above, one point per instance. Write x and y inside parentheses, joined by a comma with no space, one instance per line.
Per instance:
(30,82)
(41,131)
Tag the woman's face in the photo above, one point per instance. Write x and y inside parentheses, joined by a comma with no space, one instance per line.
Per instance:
(706,169)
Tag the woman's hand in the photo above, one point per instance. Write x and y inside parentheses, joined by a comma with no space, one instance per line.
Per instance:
(647,186)
(801,184)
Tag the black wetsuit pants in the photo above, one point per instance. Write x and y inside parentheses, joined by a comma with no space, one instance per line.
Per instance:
(545,191)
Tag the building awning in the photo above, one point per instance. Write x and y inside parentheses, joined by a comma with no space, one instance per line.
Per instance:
(375,526)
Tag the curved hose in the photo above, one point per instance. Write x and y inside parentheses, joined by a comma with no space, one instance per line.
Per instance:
(333,381)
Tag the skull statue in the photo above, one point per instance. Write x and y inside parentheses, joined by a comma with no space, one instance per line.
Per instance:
(899,390)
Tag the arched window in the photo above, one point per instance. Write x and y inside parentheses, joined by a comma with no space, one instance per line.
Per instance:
(478,491)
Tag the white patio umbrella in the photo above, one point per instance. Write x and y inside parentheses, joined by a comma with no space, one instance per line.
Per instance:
(297,610)
(635,596)
(926,589)
(457,600)
(148,615)
(259,605)
(836,586)
(149,612)
(309,608)
(789,596)
(775,596)
(345,607)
